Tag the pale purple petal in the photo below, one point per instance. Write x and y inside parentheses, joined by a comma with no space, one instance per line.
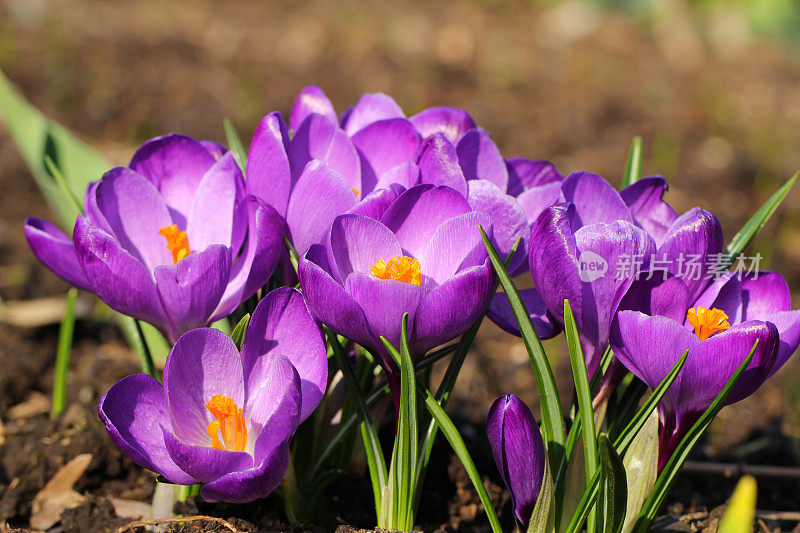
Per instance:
(405,174)
(536,199)
(528,173)
(115,276)
(319,196)
(175,164)
(213,217)
(518,452)
(724,293)
(268,174)
(438,164)
(92,210)
(455,245)
(133,411)
(480,159)
(416,214)
(453,123)
(310,100)
(216,149)
(500,313)
(281,324)
(357,243)
(649,211)
(370,109)
(53,248)
(191,289)
(203,363)
(375,204)
(766,293)
(135,212)
(319,138)
(594,198)
(382,146)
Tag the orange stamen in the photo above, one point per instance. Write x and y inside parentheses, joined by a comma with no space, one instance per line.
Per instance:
(706,322)
(400,268)
(355,191)
(177,242)
(229,424)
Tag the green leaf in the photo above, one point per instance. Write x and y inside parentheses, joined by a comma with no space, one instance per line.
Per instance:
(240,330)
(369,433)
(235,144)
(63,354)
(613,491)
(757,221)
(739,516)
(36,136)
(549,400)
(641,468)
(543,514)
(583,392)
(633,168)
(687,444)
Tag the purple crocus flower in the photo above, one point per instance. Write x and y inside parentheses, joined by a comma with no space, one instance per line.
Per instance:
(221,418)
(518,452)
(172,239)
(416,251)
(649,345)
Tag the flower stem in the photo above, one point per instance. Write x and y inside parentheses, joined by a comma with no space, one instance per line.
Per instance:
(63,355)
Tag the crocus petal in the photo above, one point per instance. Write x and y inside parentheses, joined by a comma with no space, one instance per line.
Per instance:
(328,301)
(268,174)
(527,173)
(319,138)
(204,463)
(310,100)
(375,204)
(382,146)
(480,159)
(405,174)
(500,313)
(724,293)
(536,199)
(658,293)
(518,452)
(416,214)
(509,222)
(258,260)
(281,324)
(649,211)
(135,212)
(594,198)
(370,109)
(115,276)
(688,246)
(191,289)
(357,243)
(451,308)
(175,164)
(438,164)
(455,245)
(214,148)
(765,293)
(213,217)
(309,218)
(53,248)
(384,301)
(788,324)
(449,121)
(133,411)
(92,210)
(203,363)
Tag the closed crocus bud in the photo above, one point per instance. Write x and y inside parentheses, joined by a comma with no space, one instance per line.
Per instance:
(224,419)
(518,452)
(172,239)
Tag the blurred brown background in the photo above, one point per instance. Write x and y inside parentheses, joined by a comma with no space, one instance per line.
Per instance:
(713,87)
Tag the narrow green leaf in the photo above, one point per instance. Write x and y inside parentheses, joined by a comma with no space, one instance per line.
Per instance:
(585,411)
(63,354)
(235,144)
(549,400)
(633,168)
(613,491)
(741,512)
(687,444)
(369,433)
(641,469)
(757,221)
(240,330)
(543,514)
(62,184)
